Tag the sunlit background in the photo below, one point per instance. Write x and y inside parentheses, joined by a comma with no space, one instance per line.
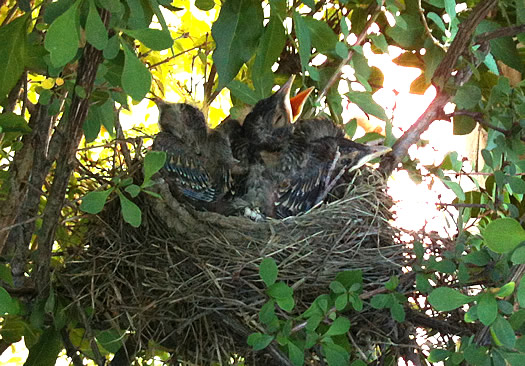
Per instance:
(416,204)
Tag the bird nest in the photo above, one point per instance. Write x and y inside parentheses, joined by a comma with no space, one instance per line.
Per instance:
(189,281)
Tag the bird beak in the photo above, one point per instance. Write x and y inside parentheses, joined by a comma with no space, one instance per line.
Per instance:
(373,152)
(298,101)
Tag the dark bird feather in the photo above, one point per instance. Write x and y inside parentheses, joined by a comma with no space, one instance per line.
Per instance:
(307,164)
(199,161)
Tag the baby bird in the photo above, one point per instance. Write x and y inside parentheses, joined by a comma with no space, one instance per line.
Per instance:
(199,160)
(318,150)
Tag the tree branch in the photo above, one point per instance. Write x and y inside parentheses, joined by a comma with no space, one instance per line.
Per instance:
(73,132)
(441,76)
(498,33)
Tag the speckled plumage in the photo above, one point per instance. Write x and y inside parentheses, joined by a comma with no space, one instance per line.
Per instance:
(198,160)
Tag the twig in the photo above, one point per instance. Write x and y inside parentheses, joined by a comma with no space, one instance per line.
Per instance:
(464,205)
(498,33)
(176,55)
(478,116)
(427,29)
(6,228)
(120,136)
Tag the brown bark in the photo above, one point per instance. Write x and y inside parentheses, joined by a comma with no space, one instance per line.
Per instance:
(65,163)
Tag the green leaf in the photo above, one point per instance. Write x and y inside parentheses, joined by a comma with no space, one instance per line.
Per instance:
(506,290)
(503,235)
(269,50)
(337,287)
(99,115)
(487,309)
(259,341)
(153,162)
(133,190)
(341,301)
(367,104)
(341,49)
(96,32)
(392,283)
(468,96)
(335,354)
(437,355)
(295,354)
(7,304)
(62,36)
(280,290)
(521,292)
(517,185)
(5,274)
(463,125)
(341,325)
(268,271)
(243,92)
(267,313)
(323,38)
(447,299)
(130,211)
(11,122)
(205,5)
(111,340)
(397,312)
(502,332)
(112,48)
(381,301)
(236,33)
(45,351)
(155,39)
(136,78)
(410,37)
(455,187)
(437,19)
(303,37)
(94,202)
(286,303)
(13,44)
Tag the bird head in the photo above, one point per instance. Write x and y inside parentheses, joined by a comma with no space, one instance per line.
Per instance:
(355,155)
(279,110)
(179,118)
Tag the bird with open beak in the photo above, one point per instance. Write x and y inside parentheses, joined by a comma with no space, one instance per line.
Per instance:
(257,143)
(199,160)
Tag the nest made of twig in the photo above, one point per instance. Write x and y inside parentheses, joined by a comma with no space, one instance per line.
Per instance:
(189,280)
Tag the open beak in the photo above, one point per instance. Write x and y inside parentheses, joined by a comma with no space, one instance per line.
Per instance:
(298,101)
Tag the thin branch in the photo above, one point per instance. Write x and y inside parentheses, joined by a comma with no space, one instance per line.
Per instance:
(478,116)
(176,55)
(498,33)
(426,27)
(6,228)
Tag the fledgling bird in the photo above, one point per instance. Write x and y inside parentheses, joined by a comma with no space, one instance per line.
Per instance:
(318,150)
(269,125)
(199,161)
